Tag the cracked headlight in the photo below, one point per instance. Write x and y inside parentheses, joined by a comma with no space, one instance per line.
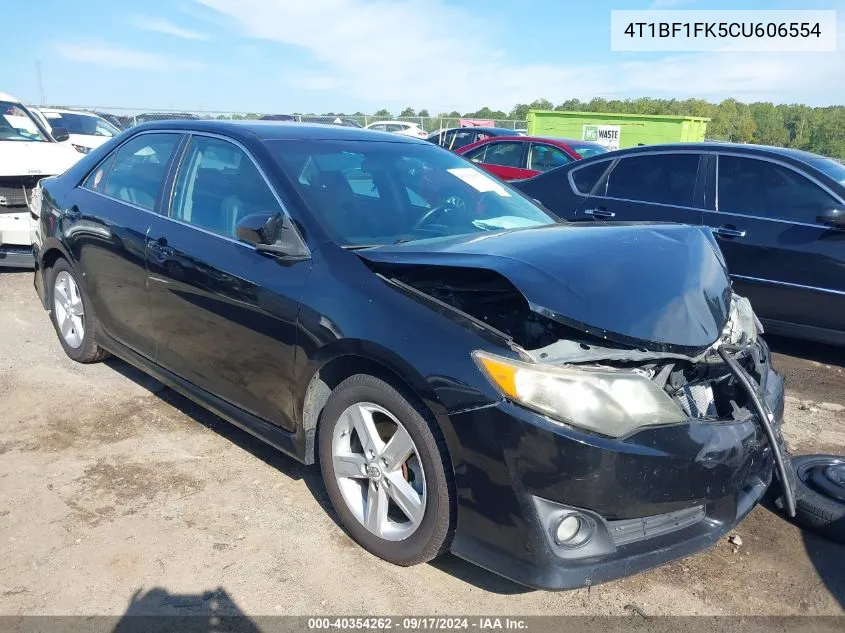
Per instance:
(612,403)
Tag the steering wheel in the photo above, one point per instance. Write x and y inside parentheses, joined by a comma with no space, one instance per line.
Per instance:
(432,214)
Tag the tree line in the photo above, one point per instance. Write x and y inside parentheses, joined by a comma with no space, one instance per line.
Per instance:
(820,130)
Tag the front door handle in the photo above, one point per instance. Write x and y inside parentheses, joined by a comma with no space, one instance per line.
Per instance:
(729,231)
(599,213)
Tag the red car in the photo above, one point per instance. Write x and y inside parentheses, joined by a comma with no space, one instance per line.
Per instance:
(514,157)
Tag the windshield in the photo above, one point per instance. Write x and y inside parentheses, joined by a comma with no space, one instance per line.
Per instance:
(830,167)
(85,124)
(377,192)
(16,124)
(586,150)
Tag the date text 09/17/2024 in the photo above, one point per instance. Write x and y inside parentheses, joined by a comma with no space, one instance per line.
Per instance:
(418,623)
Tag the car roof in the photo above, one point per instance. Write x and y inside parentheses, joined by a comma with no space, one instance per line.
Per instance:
(718,146)
(279,130)
(7,97)
(62,111)
(394,123)
(491,130)
(539,139)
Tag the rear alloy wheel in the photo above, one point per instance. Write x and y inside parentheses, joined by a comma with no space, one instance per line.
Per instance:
(385,471)
(72,316)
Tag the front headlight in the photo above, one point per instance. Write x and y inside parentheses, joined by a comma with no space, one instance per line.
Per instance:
(612,403)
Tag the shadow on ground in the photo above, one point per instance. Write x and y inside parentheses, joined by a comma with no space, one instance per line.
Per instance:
(159,610)
(293,469)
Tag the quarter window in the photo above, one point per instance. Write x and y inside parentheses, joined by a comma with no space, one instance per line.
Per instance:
(504,154)
(138,169)
(461,138)
(585,178)
(661,178)
(476,155)
(218,185)
(756,187)
(96,180)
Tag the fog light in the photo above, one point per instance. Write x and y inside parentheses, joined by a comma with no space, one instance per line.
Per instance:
(572,530)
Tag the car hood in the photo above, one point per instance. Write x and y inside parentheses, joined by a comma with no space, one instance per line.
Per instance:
(659,287)
(35,158)
(87,140)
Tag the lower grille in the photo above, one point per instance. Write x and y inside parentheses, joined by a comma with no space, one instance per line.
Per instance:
(16,191)
(632,530)
(14,197)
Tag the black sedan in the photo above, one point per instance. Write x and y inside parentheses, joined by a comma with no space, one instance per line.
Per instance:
(560,404)
(778,214)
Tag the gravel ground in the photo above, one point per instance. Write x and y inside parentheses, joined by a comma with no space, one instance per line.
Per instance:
(117,494)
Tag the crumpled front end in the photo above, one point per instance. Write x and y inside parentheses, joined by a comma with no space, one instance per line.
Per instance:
(553,504)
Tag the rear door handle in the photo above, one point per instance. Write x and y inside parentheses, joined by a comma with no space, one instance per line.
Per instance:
(599,213)
(729,231)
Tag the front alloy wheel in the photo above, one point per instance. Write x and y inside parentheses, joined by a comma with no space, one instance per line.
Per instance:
(377,468)
(387,470)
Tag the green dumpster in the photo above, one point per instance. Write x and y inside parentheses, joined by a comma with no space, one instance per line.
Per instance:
(617,130)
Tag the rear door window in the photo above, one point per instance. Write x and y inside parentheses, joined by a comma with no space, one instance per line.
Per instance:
(662,178)
(505,154)
(748,186)
(138,169)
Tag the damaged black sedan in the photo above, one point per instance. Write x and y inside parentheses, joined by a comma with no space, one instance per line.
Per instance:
(560,404)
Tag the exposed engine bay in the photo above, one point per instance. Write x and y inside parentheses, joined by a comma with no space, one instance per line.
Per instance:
(703,386)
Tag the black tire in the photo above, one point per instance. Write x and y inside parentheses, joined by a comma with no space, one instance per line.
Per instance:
(88,351)
(815,508)
(434,534)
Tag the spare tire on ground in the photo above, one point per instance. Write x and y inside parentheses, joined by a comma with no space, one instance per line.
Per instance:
(820,494)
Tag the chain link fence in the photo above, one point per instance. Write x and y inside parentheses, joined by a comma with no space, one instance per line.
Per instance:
(124,118)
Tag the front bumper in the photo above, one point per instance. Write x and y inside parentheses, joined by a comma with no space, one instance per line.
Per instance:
(15,238)
(692,483)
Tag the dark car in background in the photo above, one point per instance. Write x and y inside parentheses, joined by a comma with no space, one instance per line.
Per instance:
(120,121)
(464,376)
(165,116)
(277,117)
(457,137)
(517,157)
(778,215)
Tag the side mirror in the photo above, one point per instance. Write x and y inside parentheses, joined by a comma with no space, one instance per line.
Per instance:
(60,134)
(834,217)
(273,233)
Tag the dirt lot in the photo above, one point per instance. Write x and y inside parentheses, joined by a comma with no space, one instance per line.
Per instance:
(112,486)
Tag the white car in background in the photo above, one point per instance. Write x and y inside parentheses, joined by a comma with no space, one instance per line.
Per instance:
(86,130)
(399,127)
(28,153)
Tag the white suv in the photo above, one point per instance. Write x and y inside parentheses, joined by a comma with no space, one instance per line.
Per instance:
(28,153)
